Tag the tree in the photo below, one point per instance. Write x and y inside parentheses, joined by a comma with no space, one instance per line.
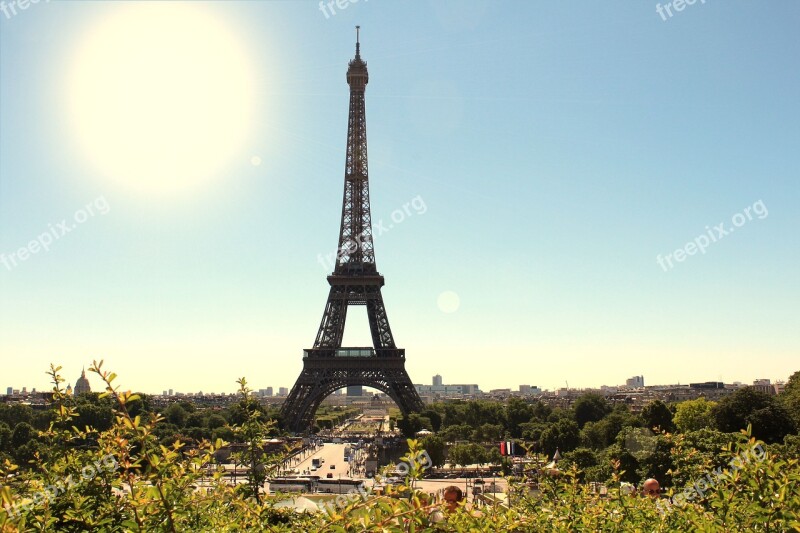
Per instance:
(488,433)
(517,412)
(583,458)
(253,432)
(215,421)
(196,419)
(457,432)
(15,413)
(563,435)
(434,418)
(791,397)
(412,423)
(436,449)
(175,414)
(458,454)
(657,416)
(770,420)
(691,415)
(22,434)
(772,423)
(590,408)
(5,437)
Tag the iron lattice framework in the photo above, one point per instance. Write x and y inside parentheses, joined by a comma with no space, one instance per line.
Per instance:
(355,281)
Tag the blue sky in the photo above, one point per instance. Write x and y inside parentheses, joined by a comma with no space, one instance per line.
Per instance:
(558,149)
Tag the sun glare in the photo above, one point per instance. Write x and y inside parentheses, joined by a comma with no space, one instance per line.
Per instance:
(160,96)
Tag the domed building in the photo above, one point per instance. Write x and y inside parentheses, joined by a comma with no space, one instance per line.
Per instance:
(82,385)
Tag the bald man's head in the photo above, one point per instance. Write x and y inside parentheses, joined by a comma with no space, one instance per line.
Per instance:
(651,488)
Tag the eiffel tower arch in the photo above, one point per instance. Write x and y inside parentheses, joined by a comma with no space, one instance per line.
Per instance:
(355,281)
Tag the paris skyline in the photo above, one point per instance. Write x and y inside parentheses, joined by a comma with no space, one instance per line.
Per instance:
(558,152)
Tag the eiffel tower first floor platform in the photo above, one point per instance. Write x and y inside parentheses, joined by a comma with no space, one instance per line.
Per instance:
(322,375)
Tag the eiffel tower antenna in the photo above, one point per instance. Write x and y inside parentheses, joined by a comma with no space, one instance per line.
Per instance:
(355,281)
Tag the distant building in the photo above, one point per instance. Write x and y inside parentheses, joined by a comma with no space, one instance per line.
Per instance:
(269,391)
(82,385)
(636,382)
(283,391)
(448,390)
(437,380)
(764,385)
(355,390)
(527,390)
(9,391)
(707,385)
(171,392)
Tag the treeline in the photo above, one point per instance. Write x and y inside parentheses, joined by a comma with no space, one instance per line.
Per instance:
(20,424)
(328,417)
(595,434)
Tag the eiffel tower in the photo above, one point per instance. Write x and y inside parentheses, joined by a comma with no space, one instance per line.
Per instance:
(355,281)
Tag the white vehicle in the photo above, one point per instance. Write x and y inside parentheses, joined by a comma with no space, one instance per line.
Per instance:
(290,484)
(339,486)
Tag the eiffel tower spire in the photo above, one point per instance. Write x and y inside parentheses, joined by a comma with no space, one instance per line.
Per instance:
(356,253)
(355,281)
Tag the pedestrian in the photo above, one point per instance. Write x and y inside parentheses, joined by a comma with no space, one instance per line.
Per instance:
(651,488)
(452,497)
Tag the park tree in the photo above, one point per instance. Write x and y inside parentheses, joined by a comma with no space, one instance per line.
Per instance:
(657,416)
(583,458)
(791,397)
(436,448)
(517,412)
(467,454)
(533,430)
(175,414)
(457,432)
(435,419)
(488,433)
(590,408)
(5,437)
(411,423)
(22,433)
(215,421)
(196,420)
(770,420)
(563,435)
(691,415)
(15,413)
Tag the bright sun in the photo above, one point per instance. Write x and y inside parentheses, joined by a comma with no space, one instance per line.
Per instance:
(160,96)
